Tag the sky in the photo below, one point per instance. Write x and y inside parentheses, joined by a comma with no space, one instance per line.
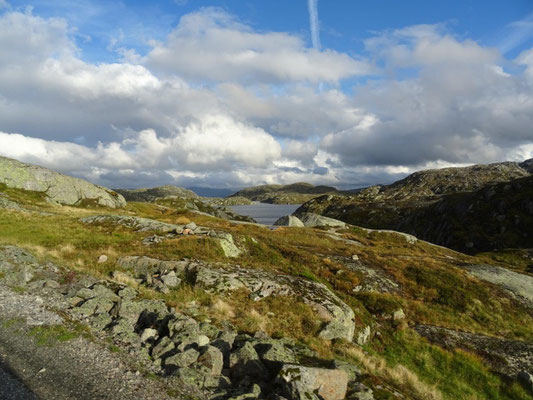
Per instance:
(234,93)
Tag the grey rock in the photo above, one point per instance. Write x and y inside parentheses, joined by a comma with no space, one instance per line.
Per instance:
(301,383)
(274,354)
(191,225)
(171,280)
(145,267)
(131,310)
(518,286)
(245,362)
(182,360)
(351,370)
(312,220)
(211,360)
(59,188)
(253,393)
(228,245)
(289,220)
(100,321)
(361,392)
(136,223)
(507,357)
(209,330)
(148,334)
(164,346)
(364,335)
(124,331)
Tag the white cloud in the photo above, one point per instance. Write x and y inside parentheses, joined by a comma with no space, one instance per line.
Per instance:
(212,45)
(221,104)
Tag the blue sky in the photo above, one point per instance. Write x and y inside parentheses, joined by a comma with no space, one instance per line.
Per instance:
(233,93)
(344,24)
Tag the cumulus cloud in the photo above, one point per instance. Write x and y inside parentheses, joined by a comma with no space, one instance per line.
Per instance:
(460,107)
(214,46)
(216,142)
(220,104)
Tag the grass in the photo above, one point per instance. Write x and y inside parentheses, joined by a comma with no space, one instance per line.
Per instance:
(49,335)
(456,375)
(432,290)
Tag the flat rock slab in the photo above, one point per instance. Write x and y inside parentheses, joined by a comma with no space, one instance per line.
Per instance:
(508,357)
(136,223)
(519,286)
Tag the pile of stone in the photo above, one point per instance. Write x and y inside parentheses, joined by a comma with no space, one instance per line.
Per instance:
(221,362)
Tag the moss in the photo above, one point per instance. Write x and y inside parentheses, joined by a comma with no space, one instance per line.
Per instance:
(48,335)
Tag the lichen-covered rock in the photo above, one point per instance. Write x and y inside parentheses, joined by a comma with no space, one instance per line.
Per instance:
(211,360)
(289,220)
(262,284)
(60,188)
(245,362)
(302,383)
(312,220)
(164,346)
(228,245)
(508,357)
(136,223)
(170,272)
(363,336)
(519,286)
(183,359)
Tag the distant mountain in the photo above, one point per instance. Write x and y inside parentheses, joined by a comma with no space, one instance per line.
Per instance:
(411,204)
(152,194)
(59,188)
(211,192)
(295,193)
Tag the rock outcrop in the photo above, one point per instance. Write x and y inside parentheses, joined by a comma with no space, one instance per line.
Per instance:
(509,357)
(518,286)
(289,220)
(470,209)
(338,317)
(57,187)
(312,220)
(169,231)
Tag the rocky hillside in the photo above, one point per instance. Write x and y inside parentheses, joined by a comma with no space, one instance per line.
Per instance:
(184,199)
(296,193)
(157,302)
(497,216)
(421,204)
(155,193)
(56,187)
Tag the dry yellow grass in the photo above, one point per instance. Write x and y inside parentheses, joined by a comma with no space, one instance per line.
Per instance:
(223,310)
(398,375)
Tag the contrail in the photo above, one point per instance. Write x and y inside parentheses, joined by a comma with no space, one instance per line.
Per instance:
(313,20)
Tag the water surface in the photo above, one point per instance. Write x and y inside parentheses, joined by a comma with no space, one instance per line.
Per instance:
(264,213)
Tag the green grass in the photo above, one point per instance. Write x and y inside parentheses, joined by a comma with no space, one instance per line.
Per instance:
(49,335)
(457,375)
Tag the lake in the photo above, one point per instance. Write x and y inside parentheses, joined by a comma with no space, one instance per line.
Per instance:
(264,213)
